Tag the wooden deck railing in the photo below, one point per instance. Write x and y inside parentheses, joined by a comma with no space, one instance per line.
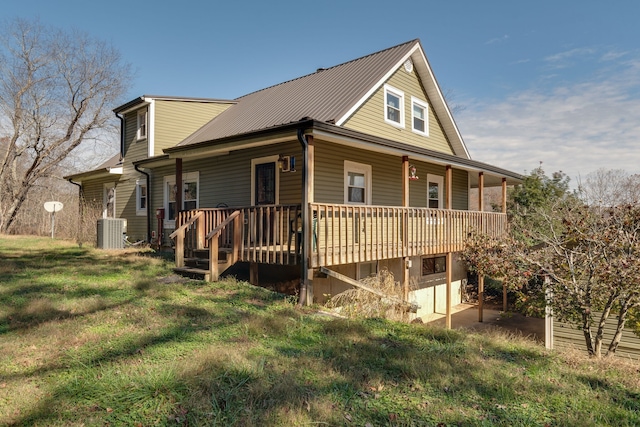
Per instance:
(344,234)
(339,234)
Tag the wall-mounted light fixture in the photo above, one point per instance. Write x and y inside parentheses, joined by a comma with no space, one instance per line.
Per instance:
(287,163)
(412,173)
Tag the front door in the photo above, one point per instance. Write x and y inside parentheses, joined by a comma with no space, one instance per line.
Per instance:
(265,193)
(265,184)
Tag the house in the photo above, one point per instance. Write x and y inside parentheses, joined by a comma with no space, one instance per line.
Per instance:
(331,176)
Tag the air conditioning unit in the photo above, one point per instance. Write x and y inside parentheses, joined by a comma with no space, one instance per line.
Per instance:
(111,233)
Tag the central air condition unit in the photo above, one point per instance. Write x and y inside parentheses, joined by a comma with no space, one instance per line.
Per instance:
(111,233)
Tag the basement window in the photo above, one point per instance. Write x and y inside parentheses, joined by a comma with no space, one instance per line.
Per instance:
(434,265)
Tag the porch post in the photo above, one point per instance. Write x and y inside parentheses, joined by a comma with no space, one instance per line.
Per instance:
(480,276)
(448,188)
(307,218)
(178,187)
(405,181)
(448,268)
(448,205)
(504,195)
(405,203)
(504,211)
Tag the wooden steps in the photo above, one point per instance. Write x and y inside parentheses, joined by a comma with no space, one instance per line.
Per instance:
(197,266)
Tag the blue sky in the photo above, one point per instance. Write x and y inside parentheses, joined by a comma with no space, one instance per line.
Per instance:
(556,82)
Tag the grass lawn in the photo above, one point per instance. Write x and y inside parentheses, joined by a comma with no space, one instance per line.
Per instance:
(110,338)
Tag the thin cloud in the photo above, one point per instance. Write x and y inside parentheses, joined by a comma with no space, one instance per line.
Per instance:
(498,40)
(576,128)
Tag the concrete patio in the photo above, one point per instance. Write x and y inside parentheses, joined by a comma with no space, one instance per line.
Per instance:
(465,316)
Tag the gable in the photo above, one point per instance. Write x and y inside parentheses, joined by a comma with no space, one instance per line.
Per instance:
(175,120)
(370,117)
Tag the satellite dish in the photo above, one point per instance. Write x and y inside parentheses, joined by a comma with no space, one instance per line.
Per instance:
(53,207)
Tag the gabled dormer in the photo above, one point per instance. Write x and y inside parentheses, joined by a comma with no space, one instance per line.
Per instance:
(152,123)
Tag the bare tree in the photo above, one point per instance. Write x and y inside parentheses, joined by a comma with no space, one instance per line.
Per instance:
(56,90)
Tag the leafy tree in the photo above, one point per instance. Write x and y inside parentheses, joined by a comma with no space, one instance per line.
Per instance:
(56,90)
(589,255)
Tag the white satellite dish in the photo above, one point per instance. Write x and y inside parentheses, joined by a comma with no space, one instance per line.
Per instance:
(53,207)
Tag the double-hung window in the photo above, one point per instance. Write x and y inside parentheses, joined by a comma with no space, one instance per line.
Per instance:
(393,106)
(419,116)
(142,198)
(142,124)
(357,183)
(435,184)
(190,195)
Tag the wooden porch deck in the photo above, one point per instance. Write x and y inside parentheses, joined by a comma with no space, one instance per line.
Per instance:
(339,234)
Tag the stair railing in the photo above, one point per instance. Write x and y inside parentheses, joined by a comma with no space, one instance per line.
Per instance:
(179,236)
(212,238)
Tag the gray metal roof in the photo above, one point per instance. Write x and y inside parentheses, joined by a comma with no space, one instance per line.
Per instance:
(326,96)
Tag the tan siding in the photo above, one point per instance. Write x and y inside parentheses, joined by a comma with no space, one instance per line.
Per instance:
(369,118)
(175,120)
(134,149)
(567,335)
(329,174)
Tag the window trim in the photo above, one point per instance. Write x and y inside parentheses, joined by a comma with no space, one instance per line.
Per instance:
(364,169)
(260,161)
(443,259)
(171,179)
(388,89)
(142,123)
(141,211)
(425,106)
(439,179)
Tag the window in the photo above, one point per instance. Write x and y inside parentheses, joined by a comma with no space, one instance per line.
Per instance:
(419,116)
(109,200)
(393,106)
(434,265)
(357,183)
(141,197)
(142,124)
(435,184)
(190,195)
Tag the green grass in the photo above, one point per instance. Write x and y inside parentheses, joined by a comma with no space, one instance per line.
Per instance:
(95,338)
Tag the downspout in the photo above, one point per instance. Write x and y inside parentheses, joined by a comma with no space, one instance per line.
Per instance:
(305,219)
(148,177)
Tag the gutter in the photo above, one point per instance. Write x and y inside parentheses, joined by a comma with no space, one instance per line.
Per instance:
(148,177)
(121,134)
(304,300)
(80,207)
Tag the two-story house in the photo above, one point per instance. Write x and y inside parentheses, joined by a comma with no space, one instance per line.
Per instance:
(341,172)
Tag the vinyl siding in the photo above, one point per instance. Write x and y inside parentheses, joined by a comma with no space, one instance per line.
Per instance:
(370,119)
(227,179)
(386,171)
(175,120)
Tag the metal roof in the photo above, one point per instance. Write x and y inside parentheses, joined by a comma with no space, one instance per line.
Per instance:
(326,96)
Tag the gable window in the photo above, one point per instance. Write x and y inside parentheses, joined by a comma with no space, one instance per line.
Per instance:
(393,106)
(434,265)
(141,197)
(142,124)
(435,184)
(419,116)
(357,183)
(190,196)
